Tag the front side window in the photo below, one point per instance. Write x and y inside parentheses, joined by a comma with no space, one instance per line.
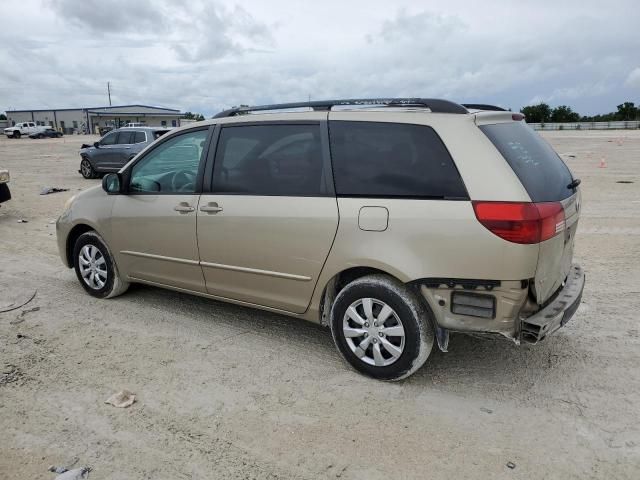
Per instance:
(109,139)
(284,160)
(171,167)
(392,160)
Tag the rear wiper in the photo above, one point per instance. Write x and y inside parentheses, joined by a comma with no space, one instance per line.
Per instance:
(574,184)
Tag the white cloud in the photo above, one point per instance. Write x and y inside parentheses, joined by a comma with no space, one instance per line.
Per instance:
(208,55)
(633,80)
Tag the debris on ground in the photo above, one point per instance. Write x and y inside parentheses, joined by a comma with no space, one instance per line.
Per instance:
(56,469)
(486,410)
(10,373)
(20,317)
(75,474)
(13,306)
(48,190)
(511,465)
(22,220)
(122,399)
(624,181)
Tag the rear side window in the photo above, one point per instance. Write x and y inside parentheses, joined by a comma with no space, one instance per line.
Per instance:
(139,137)
(284,160)
(125,138)
(392,160)
(541,171)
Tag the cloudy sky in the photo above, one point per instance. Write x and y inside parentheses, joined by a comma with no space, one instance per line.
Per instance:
(205,55)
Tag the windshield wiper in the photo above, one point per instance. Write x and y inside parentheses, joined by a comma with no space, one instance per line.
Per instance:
(574,184)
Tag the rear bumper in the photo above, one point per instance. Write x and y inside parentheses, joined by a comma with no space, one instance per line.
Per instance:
(555,315)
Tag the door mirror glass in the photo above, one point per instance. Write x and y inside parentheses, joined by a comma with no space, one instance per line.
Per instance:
(111,183)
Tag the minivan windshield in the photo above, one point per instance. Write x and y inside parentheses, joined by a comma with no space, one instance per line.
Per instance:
(542,172)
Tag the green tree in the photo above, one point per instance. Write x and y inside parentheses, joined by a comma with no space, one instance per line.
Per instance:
(564,113)
(627,111)
(537,113)
(194,116)
(3,116)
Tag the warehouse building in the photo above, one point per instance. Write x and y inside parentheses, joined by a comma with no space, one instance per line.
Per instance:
(92,119)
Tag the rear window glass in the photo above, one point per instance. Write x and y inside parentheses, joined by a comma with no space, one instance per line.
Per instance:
(541,171)
(139,137)
(392,160)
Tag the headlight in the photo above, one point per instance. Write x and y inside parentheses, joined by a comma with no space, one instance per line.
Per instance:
(4,176)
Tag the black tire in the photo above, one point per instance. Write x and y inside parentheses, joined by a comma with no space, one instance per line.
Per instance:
(86,169)
(414,317)
(113,285)
(16,134)
(58,135)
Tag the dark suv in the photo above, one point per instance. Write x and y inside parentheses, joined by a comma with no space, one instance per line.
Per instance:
(115,149)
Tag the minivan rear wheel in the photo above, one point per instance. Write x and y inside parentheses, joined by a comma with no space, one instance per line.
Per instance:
(381,328)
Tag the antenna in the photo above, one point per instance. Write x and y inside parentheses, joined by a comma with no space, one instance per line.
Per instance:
(109,92)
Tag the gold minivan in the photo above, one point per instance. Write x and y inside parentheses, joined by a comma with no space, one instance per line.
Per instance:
(392,221)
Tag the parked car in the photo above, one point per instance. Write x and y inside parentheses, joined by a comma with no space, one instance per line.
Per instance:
(48,132)
(5,193)
(115,149)
(23,128)
(393,225)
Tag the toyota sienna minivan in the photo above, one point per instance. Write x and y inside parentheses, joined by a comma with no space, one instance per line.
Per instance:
(391,221)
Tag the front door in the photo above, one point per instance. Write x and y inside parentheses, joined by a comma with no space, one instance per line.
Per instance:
(267,225)
(154,225)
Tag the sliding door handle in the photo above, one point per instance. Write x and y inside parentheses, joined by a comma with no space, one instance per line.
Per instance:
(211,207)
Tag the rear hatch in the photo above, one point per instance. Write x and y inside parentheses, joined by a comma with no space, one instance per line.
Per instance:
(550,185)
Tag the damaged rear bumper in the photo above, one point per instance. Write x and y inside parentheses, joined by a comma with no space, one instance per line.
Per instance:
(555,315)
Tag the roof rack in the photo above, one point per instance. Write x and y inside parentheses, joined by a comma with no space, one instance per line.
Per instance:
(433,104)
(483,106)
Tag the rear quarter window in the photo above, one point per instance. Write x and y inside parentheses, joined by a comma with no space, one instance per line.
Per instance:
(540,169)
(375,159)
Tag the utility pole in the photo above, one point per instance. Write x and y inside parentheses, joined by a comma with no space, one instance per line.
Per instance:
(109,92)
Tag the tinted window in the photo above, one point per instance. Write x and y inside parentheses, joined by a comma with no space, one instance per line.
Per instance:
(139,137)
(109,139)
(392,160)
(541,171)
(125,138)
(269,160)
(172,167)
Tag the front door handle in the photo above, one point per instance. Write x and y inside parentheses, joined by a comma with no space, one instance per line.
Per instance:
(211,207)
(183,207)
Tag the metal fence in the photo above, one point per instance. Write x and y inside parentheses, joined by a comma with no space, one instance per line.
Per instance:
(624,125)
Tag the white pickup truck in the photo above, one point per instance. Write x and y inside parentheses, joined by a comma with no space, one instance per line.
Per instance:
(24,128)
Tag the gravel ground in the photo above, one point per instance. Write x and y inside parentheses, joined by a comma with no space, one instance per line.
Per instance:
(228,392)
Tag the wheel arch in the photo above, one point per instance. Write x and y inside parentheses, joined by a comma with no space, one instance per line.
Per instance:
(72,237)
(338,281)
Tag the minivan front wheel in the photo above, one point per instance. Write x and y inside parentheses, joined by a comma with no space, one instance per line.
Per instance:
(381,328)
(95,267)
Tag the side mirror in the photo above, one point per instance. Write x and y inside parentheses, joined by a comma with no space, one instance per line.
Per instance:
(96,144)
(112,183)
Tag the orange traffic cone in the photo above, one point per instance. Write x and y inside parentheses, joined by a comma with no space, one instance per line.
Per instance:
(603,163)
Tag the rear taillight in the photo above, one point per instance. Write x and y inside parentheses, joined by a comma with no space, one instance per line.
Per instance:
(521,222)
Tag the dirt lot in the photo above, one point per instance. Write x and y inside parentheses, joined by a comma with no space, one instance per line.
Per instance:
(228,392)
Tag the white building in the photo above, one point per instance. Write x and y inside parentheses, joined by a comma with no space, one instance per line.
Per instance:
(70,120)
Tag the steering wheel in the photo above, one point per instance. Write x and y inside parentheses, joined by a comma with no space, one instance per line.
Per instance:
(183,181)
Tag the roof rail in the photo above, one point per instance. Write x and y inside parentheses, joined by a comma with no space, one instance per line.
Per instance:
(433,104)
(483,106)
